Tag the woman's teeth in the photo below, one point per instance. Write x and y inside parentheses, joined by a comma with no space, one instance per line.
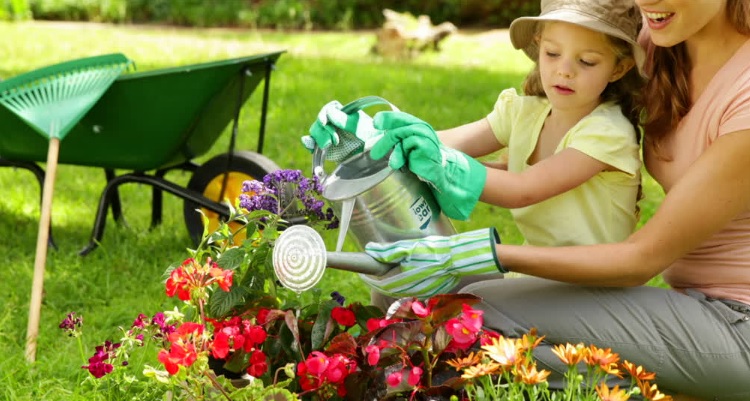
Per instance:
(658,16)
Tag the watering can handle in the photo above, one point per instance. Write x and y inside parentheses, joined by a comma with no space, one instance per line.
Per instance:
(319,154)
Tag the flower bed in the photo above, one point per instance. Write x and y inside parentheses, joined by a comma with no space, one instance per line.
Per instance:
(237,335)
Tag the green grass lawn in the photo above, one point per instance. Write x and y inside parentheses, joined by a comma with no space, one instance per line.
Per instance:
(123,277)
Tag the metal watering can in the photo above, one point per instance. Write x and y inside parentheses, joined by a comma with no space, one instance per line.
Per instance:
(388,205)
(379,203)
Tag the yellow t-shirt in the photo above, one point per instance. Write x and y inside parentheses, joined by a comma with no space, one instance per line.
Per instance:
(601,210)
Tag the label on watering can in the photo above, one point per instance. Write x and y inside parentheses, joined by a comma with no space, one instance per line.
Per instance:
(421,211)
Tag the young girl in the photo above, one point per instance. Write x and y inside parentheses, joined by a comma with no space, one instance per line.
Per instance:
(573,164)
(573,170)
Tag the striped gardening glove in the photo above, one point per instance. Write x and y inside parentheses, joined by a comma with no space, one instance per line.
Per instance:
(343,134)
(456,179)
(433,265)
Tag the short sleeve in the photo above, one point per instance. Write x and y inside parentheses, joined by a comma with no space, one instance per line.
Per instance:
(737,115)
(502,115)
(609,137)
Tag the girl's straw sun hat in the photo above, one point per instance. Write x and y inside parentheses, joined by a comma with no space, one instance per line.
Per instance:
(618,18)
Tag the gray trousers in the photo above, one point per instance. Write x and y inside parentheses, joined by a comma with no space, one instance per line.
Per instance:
(384,301)
(697,346)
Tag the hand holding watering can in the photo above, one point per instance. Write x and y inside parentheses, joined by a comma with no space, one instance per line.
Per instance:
(396,219)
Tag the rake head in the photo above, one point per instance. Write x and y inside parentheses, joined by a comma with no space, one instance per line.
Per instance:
(53,99)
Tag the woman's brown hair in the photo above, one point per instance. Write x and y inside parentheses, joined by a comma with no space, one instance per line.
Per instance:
(667,93)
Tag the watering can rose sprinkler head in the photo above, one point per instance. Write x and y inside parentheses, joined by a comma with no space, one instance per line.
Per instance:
(300,259)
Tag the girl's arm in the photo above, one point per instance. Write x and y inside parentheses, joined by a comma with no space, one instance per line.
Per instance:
(475,139)
(549,177)
(713,190)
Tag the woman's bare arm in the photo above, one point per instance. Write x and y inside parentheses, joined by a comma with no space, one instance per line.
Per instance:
(714,190)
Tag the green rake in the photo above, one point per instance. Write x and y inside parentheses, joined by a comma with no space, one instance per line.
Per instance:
(52,100)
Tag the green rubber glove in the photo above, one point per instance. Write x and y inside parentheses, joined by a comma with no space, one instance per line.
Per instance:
(434,265)
(342,134)
(457,179)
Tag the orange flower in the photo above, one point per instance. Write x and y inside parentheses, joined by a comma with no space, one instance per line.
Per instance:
(461,363)
(605,359)
(605,394)
(503,350)
(570,354)
(482,369)
(529,341)
(652,393)
(637,372)
(528,374)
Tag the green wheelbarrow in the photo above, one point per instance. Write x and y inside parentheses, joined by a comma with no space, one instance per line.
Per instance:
(150,123)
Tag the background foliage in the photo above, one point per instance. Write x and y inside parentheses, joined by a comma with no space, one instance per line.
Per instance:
(285,14)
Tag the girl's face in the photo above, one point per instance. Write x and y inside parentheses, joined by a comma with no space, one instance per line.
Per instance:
(674,21)
(576,64)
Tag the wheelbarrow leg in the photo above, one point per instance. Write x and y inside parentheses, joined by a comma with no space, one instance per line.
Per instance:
(111,188)
(116,203)
(39,174)
(157,200)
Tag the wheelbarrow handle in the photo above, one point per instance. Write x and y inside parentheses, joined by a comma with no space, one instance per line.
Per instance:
(358,262)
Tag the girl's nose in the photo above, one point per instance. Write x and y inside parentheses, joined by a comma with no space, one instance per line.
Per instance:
(565,69)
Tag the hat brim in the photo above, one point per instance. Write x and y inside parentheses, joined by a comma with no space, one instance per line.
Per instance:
(522,32)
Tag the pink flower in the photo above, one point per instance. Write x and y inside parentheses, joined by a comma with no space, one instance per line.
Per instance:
(415,374)
(316,363)
(394,379)
(472,318)
(420,309)
(373,354)
(463,336)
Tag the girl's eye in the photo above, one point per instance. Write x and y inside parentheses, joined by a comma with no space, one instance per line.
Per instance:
(551,54)
(588,63)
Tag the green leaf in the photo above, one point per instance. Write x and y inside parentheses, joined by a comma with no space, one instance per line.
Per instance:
(231,259)
(222,302)
(319,332)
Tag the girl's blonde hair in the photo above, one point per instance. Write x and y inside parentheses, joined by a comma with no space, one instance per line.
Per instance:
(626,91)
(667,93)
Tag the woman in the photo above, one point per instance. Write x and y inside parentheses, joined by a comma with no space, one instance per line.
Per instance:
(695,336)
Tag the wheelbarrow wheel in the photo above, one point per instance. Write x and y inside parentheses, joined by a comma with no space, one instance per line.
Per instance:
(208,179)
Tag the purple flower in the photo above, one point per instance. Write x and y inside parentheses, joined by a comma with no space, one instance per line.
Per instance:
(336,296)
(71,324)
(97,365)
(288,193)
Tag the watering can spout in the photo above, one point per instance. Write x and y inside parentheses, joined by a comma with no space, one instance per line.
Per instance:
(358,262)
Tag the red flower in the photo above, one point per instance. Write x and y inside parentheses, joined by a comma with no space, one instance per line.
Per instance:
(191,278)
(178,283)
(258,364)
(178,355)
(222,277)
(374,324)
(255,335)
(343,316)
(262,316)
